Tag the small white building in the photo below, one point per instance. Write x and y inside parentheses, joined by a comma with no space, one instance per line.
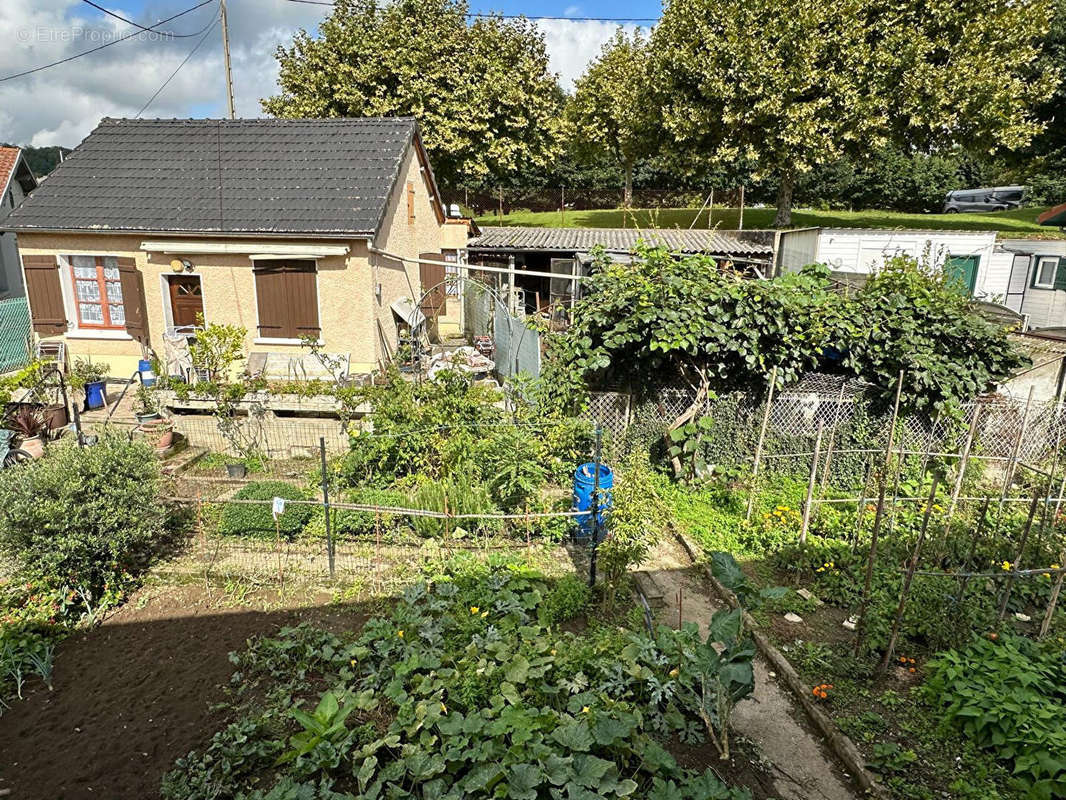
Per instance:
(859,251)
(1036,280)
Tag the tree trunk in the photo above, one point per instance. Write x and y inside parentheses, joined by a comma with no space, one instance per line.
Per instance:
(784,201)
(627,195)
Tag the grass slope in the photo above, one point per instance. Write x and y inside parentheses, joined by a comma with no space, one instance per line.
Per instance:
(1020,222)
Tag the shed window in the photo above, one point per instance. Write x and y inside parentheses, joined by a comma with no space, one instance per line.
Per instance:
(98,292)
(1045,273)
(287,299)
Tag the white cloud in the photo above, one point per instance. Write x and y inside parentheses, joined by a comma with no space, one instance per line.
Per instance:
(63,104)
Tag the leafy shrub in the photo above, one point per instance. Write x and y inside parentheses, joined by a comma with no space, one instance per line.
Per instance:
(256,520)
(1008,696)
(83,517)
(566,599)
(364,523)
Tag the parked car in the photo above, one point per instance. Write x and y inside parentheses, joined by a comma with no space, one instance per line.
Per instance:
(990,198)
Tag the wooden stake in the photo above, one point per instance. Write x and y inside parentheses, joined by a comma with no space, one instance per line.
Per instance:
(1008,473)
(965,460)
(860,630)
(862,502)
(977,531)
(759,444)
(832,439)
(812,480)
(1053,600)
(1009,587)
(911,567)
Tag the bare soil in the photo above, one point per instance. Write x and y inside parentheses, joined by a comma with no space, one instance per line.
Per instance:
(137,692)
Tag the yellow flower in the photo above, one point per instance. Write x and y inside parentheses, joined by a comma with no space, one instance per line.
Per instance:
(820,569)
(400,634)
(353,662)
(484,614)
(443,708)
(585,710)
(674,672)
(1005,565)
(474,609)
(1055,566)
(553,651)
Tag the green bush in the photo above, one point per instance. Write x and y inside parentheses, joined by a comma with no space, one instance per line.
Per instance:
(364,523)
(83,516)
(455,496)
(1008,696)
(566,599)
(257,520)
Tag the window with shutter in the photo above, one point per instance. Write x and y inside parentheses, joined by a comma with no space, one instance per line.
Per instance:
(45,293)
(286,299)
(1044,273)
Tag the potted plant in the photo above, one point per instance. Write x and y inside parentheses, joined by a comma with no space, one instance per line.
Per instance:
(160,432)
(145,407)
(90,376)
(29,426)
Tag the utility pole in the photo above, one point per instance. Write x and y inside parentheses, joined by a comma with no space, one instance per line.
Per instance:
(225,52)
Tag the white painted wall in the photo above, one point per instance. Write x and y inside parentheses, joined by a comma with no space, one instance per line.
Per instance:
(10,268)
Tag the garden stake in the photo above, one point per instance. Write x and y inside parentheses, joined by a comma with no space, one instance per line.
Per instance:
(277,531)
(1053,600)
(964,460)
(759,444)
(595,507)
(679,608)
(832,439)
(905,589)
(977,531)
(529,541)
(862,503)
(1008,473)
(1017,559)
(860,629)
(810,485)
(325,507)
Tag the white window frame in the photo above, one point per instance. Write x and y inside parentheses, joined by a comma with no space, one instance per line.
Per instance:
(1037,283)
(66,284)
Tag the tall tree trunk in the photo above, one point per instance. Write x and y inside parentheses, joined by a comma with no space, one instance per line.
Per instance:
(784,200)
(627,195)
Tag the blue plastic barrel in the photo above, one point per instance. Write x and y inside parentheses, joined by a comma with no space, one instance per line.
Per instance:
(584,487)
(144,366)
(94,394)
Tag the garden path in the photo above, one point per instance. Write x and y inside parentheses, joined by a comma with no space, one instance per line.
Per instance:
(802,768)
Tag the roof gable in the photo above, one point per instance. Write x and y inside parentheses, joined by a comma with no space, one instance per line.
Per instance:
(320,177)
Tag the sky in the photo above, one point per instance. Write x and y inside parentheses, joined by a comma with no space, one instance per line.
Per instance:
(61,105)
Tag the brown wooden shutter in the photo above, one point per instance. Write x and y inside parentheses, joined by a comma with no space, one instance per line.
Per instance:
(133,301)
(287,299)
(434,292)
(410,202)
(45,294)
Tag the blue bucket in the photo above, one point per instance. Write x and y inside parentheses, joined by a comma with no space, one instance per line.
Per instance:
(94,394)
(584,487)
(144,366)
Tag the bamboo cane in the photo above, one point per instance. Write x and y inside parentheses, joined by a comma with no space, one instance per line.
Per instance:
(759,444)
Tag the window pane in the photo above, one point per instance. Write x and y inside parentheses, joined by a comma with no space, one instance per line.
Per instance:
(110,262)
(84,261)
(118,315)
(114,292)
(88,290)
(88,273)
(1047,271)
(111,273)
(92,313)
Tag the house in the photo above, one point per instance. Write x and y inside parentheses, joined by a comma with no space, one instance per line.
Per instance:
(1036,284)
(542,262)
(854,252)
(16,182)
(288,228)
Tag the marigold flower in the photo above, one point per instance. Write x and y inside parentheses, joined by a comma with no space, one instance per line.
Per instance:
(911,670)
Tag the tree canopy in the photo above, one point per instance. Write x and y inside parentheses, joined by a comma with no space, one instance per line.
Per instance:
(612,109)
(487,105)
(793,85)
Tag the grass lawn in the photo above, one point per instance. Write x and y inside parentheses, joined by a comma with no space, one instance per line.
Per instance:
(1020,222)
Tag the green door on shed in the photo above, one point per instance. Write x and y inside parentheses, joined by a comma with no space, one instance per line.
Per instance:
(963,271)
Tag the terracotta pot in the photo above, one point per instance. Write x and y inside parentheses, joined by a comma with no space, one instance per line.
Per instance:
(159,432)
(34,446)
(56,417)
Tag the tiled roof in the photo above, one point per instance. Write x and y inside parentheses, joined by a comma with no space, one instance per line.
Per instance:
(9,157)
(572,240)
(300,176)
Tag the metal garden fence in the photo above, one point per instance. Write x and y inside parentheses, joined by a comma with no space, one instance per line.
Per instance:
(14,334)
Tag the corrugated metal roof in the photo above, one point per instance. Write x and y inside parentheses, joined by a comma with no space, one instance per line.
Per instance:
(615,239)
(300,176)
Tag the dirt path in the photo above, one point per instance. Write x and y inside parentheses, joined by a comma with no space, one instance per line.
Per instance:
(802,768)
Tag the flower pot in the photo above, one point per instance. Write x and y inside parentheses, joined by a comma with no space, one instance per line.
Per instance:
(150,416)
(94,394)
(159,432)
(56,417)
(236,470)
(33,445)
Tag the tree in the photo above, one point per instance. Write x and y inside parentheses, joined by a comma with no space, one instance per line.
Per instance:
(487,105)
(612,110)
(792,84)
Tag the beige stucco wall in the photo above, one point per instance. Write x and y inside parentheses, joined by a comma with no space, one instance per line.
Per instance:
(353,319)
(344,298)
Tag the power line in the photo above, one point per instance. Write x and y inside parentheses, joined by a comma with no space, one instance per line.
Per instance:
(480,15)
(182,64)
(108,44)
(149,29)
